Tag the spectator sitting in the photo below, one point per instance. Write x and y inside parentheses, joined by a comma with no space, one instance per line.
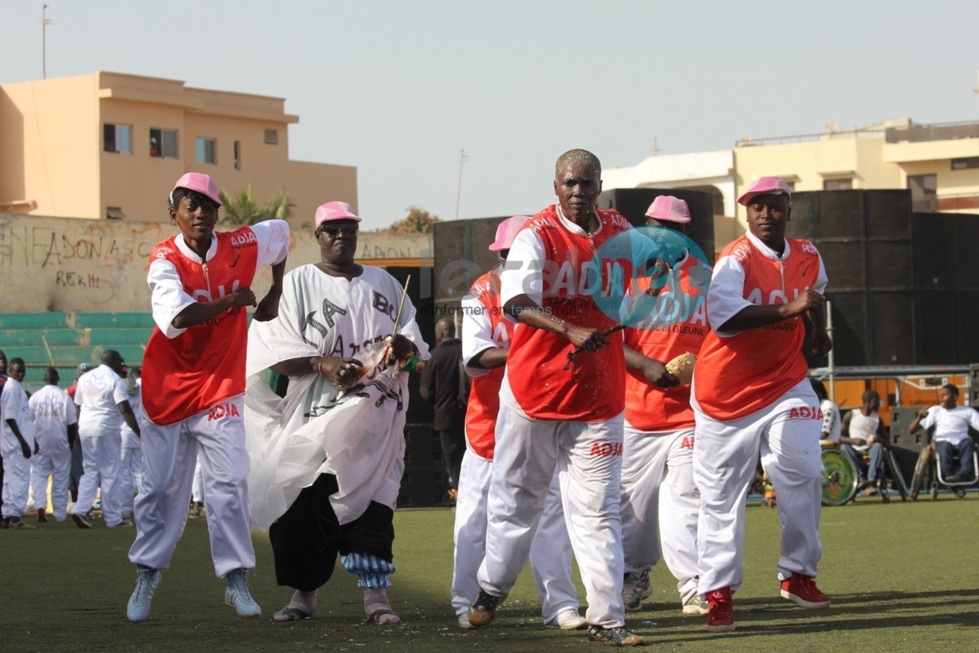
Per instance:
(951,424)
(863,432)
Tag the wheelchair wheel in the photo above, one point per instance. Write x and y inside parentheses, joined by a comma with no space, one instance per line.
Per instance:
(934,491)
(918,478)
(896,475)
(839,477)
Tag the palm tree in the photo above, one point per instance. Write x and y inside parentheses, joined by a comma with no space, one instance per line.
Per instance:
(242,209)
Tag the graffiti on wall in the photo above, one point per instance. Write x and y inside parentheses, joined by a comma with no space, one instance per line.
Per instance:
(64,264)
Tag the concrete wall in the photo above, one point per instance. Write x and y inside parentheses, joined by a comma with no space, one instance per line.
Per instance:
(61,264)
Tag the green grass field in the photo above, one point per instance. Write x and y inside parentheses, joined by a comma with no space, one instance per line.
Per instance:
(903,577)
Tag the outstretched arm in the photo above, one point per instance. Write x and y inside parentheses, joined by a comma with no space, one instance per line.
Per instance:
(268,308)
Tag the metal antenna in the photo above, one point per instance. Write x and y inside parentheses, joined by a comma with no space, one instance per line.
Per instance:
(462,159)
(45,21)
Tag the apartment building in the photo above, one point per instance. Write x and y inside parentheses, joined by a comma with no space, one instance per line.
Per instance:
(938,163)
(110,145)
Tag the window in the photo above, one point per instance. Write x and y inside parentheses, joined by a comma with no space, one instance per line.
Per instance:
(163,143)
(924,193)
(207,150)
(114,213)
(838,184)
(965,163)
(117,138)
(237,155)
(272,136)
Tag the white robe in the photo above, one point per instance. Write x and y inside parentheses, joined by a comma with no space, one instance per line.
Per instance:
(357,436)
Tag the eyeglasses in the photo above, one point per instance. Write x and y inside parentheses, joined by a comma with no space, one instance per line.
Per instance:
(333,231)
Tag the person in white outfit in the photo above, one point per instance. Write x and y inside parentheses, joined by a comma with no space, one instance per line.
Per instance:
(485,343)
(559,413)
(55,429)
(17,445)
(951,423)
(193,386)
(131,464)
(103,407)
(660,502)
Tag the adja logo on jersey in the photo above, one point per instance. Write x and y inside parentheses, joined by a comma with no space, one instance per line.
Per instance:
(806,412)
(221,411)
(606,449)
(243,239)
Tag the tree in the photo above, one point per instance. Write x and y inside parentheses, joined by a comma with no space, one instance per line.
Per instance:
(243,210)
(418,221)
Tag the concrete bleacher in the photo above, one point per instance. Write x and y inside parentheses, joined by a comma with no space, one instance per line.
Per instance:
(63,340)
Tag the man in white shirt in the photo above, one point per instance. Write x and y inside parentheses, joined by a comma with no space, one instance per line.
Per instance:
(951,424)
(17,445)
(55,429)
(103,406)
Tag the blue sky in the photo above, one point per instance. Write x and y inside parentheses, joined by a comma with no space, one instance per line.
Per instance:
(398,88)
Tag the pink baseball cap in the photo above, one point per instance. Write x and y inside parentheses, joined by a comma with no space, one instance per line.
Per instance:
(765,186)
(201,183)
(334,211)
(669,209)
(507,231)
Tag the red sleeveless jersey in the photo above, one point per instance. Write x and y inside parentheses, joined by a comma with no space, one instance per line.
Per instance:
(484,394)
(681,326)
(592,389)
(204,365)
(740,374)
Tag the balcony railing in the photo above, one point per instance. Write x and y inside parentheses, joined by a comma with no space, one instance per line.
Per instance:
(964,203)
(939,132)
(746,141)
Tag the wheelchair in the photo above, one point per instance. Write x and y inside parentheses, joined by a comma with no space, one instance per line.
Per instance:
(841,476)
(928,473)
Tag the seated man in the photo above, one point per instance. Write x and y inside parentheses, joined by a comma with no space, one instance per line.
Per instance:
(951,424)
(863,432)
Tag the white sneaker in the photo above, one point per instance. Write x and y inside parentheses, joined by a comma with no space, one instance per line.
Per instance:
(464,621)
(568,619)
(238,595)
(695,606)
(147,580)
(631,593)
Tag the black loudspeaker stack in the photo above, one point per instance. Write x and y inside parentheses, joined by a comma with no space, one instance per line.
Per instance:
(633,203)
(903,286)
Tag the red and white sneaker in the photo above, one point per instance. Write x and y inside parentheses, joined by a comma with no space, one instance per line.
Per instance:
(802,589)
(720,613)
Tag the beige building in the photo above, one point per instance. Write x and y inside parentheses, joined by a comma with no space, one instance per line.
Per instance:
(110,146)
(939,164)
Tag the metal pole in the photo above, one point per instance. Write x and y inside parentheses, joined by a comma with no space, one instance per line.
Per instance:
(44,41)
(462,159)
(831,360)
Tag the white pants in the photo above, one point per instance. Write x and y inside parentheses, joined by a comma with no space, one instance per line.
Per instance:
(100,462)
(652,462)
(16,483)
(130,475)
(58,466)
(724,462)
(550,552)
(169,455)
(588,460)
(197,487)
